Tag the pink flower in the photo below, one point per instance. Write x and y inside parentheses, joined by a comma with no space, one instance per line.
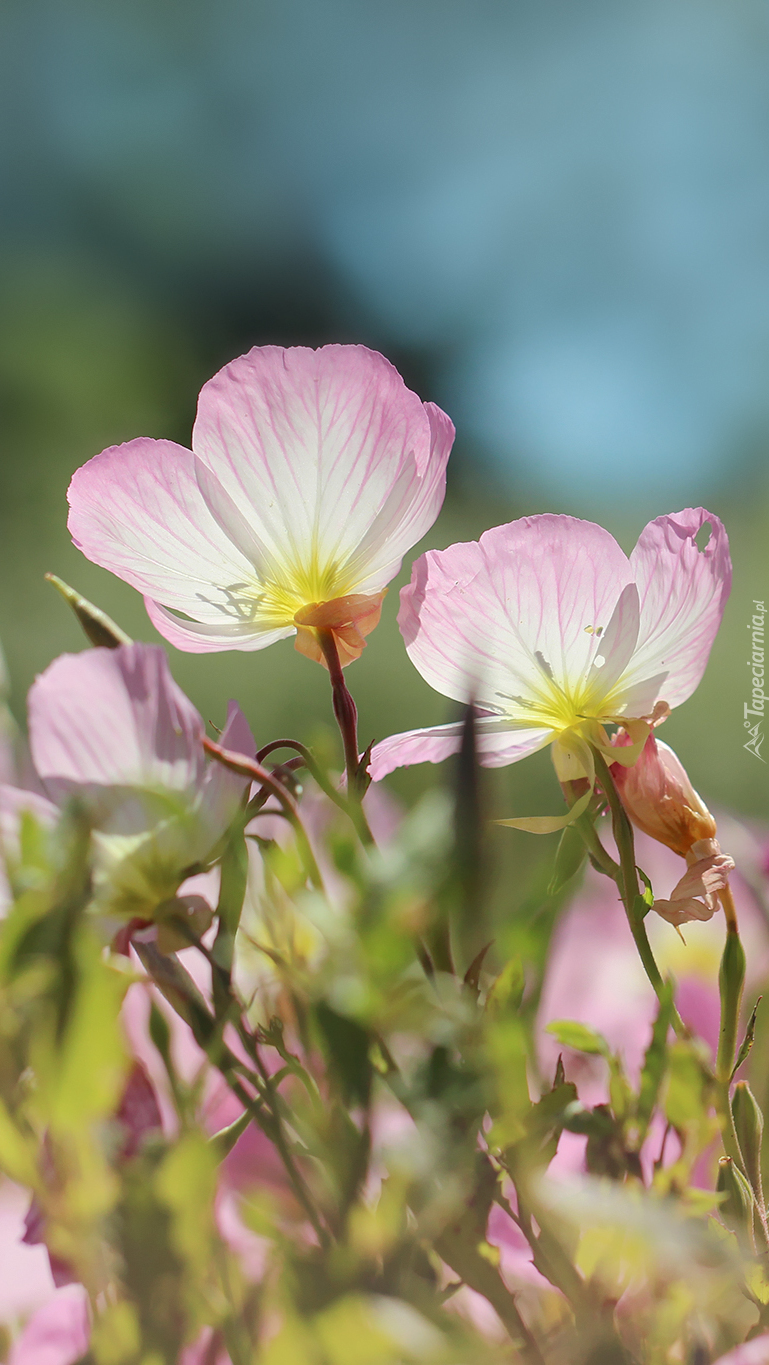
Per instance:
(58,1333)
(113,728)
(312,474)
(553,631)
(608,989)
(755,1352)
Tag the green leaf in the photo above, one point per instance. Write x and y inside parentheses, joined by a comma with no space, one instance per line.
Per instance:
(347,1048)
(473,973)
(686,1101)
(580,1037)
(748,1040)
(647,895)
(570,857)
(186,1184)
(16,1152)
(655,1061)
(81,1074)
(232,891)
(506,993)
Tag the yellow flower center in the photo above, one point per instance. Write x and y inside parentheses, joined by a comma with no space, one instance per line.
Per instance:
(560,707)
(274,601)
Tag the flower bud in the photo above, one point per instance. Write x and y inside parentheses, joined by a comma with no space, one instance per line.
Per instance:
(660,799)
(736,1210)
(749,1126)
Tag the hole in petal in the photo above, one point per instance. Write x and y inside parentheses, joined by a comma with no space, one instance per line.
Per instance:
(599,661)
(703,535)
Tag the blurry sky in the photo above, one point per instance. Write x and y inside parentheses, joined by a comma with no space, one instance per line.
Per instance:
(552,215)
(560,207)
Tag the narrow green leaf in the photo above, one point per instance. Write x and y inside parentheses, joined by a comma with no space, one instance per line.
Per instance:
(581,1037)
(347,1047)
(749,1127)
(473,973)
(569,858)
(748,1040)
(655,1061)
(647,895)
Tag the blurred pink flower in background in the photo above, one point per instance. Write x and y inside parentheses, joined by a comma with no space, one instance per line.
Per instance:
(548,626)
(111,727)
(313,473)
(595,974)
(58,1333)
(755,1352)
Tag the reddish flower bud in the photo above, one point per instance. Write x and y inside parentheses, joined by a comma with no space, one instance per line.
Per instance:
(660,799)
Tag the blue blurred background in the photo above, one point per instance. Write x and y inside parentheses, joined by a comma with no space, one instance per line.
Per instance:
(553,217)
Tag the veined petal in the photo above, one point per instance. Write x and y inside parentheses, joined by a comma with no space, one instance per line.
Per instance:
(137,510)
(618,641)
(497,746)
(517,618)
(207,638)
(222,788)
(683,591)
(114,717)
(678,912)
(310,445)
(410,510)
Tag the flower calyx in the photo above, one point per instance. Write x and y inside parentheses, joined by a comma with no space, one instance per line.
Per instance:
(349,618)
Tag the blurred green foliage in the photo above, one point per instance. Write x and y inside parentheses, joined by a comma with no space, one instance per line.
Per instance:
(406,1111)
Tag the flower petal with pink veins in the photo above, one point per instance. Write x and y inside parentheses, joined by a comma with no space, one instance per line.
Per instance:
(137,510)
(223,789)
(201,638)
(683,592)
(523,609)
(496,748)
(312,446)
(115,717)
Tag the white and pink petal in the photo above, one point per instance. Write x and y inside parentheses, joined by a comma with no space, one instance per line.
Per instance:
(110,717)
(310,445)
(137,510)
(683,591)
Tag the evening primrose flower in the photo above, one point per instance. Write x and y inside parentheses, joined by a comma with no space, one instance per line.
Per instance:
(311,474)
(554,633)
(110,729)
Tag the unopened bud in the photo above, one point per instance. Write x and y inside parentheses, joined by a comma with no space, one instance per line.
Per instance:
(731,979)
(749,1127)
(100,628)
(736,1210)
(660,799)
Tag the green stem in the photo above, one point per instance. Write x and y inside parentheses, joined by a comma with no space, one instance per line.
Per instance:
(627,882)
(248,767)
(585,827)
(346,714)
